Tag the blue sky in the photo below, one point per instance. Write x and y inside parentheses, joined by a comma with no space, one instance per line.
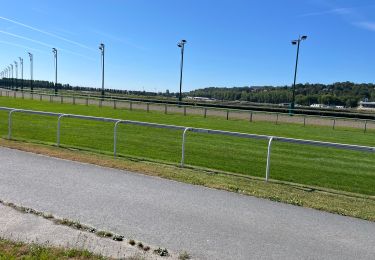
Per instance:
(230,42)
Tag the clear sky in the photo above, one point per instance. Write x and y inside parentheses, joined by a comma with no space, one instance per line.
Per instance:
(229,42)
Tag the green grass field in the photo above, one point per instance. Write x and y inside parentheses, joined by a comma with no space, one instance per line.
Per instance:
(325,167)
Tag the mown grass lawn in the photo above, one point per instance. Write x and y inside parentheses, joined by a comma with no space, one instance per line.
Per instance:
(325,167)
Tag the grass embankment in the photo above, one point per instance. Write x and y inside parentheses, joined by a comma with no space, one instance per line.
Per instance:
(17,250)
(348,171)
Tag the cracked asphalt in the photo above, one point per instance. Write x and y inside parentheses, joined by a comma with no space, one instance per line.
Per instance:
(207,223)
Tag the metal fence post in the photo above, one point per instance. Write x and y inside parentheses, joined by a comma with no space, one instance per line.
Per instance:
(114,104)
(304,120)
(130,105)
(277,118)
(87,101)
(115,138)
(268,158)
(74,100)
(334,123)
(148,107)
(184,111)
(10,123)
(365,126)
(58,129)
(205,112)
(165,109)
(227,114)
(183,146)
(251,116)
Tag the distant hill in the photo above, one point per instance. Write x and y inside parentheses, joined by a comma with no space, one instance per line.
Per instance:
(341,93)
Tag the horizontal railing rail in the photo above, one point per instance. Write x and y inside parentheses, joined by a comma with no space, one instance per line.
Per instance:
(340,115)
(120,98)
(185,129)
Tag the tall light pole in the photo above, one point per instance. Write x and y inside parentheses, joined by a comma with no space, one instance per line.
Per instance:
(21,64)
(101,48)
(8,74)
(31,70)
(11,71)
(16,67)
(54,50)
(181,45)
(296,42)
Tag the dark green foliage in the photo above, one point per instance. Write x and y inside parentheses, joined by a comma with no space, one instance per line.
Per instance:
(341,93)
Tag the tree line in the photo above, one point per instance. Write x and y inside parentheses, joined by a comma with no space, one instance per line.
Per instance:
(346,94)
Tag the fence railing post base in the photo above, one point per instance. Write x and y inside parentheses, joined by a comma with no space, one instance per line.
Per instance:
(115,138)
(268,159)
(183,147)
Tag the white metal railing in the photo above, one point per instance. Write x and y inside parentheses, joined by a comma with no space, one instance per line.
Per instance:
(329,120)
(185,129)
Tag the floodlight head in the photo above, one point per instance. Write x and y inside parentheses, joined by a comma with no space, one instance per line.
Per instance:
(54,50)
(294,42)
(101,47)
(304,37)
(181,43)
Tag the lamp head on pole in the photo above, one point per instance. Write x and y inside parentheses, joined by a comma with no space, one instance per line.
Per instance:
(181,43)
(101,47)
(301,38)
(54,50)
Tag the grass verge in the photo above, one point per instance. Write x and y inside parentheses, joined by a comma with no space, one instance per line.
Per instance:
(17,250)
(343,203)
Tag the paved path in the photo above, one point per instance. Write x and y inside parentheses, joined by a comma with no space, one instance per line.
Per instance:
(29,228)
(210,224)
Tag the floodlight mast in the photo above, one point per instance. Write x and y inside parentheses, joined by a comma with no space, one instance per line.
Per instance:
(101,48)
(295,42)
(11,70)
(9,78)
(181,45)
(54,50)
(16,67)
(21,64)
(31,70)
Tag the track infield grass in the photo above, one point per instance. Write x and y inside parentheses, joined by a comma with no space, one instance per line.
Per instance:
(348,171)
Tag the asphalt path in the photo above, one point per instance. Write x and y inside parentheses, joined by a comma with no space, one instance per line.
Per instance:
(207,223)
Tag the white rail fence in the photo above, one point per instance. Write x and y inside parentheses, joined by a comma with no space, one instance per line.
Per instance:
(185,129)
(275,117)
